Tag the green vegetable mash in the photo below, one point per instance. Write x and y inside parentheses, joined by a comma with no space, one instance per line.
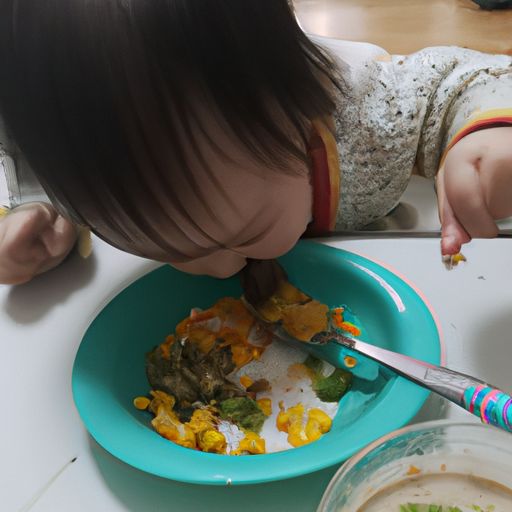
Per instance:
(332,387)
(244,412)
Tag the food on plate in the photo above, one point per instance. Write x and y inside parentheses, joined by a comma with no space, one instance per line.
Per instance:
(244,412)
(301,316)
(217,380)
(328,388)
(302,426)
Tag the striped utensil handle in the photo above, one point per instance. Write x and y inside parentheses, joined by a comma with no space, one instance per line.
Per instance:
(493,406)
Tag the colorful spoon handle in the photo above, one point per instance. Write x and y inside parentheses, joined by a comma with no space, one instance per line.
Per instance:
(490,404)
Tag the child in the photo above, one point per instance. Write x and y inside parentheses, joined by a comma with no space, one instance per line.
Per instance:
(204,133)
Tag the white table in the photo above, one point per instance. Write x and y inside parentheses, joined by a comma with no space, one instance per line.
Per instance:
(41,325)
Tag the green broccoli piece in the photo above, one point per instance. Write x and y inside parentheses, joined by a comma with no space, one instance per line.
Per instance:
(244,412)
(332,387)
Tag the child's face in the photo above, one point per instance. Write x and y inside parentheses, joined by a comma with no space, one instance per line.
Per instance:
(210,215)
(250,211)
(269,215)
(235,209)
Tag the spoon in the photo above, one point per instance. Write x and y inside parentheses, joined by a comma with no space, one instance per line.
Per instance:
(260,281)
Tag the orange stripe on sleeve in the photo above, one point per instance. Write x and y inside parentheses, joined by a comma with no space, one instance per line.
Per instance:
(488,119)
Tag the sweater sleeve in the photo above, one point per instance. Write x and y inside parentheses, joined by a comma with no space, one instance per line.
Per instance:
(397,114)
(461,90)
(18,183)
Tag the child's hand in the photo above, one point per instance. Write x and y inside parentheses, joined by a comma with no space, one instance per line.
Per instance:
(474,187)
(33,239)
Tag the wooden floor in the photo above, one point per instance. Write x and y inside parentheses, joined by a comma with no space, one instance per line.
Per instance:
(404,26)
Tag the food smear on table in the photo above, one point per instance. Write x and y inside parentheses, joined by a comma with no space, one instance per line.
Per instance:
(221,384)
(452,260)
(441,492)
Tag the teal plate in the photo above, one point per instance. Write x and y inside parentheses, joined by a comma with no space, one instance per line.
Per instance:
(109,367)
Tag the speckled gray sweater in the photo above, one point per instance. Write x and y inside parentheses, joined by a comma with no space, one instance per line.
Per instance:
(400,113)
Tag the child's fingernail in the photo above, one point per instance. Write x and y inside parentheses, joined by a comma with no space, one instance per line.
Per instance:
(60,224)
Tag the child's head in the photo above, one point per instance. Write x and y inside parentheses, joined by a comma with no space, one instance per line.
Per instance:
(176,129)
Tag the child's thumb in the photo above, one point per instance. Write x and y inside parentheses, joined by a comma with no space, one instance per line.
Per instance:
(59,237)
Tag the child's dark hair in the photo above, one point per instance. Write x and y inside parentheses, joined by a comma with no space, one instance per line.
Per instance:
(91,90)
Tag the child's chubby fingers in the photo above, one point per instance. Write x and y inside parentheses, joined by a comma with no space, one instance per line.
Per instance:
(20,232)
(59,237)
(33,239)
(453,235)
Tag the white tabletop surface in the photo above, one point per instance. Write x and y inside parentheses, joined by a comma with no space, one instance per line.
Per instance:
(41,325)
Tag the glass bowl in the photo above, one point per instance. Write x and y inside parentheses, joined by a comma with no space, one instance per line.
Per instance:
(432,448)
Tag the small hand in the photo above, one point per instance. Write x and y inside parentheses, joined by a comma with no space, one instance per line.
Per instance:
(33,239)
(474,187)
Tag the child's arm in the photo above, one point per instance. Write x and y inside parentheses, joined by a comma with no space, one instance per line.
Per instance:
(465,137)
(474,187)
(33,237)
(397,113)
